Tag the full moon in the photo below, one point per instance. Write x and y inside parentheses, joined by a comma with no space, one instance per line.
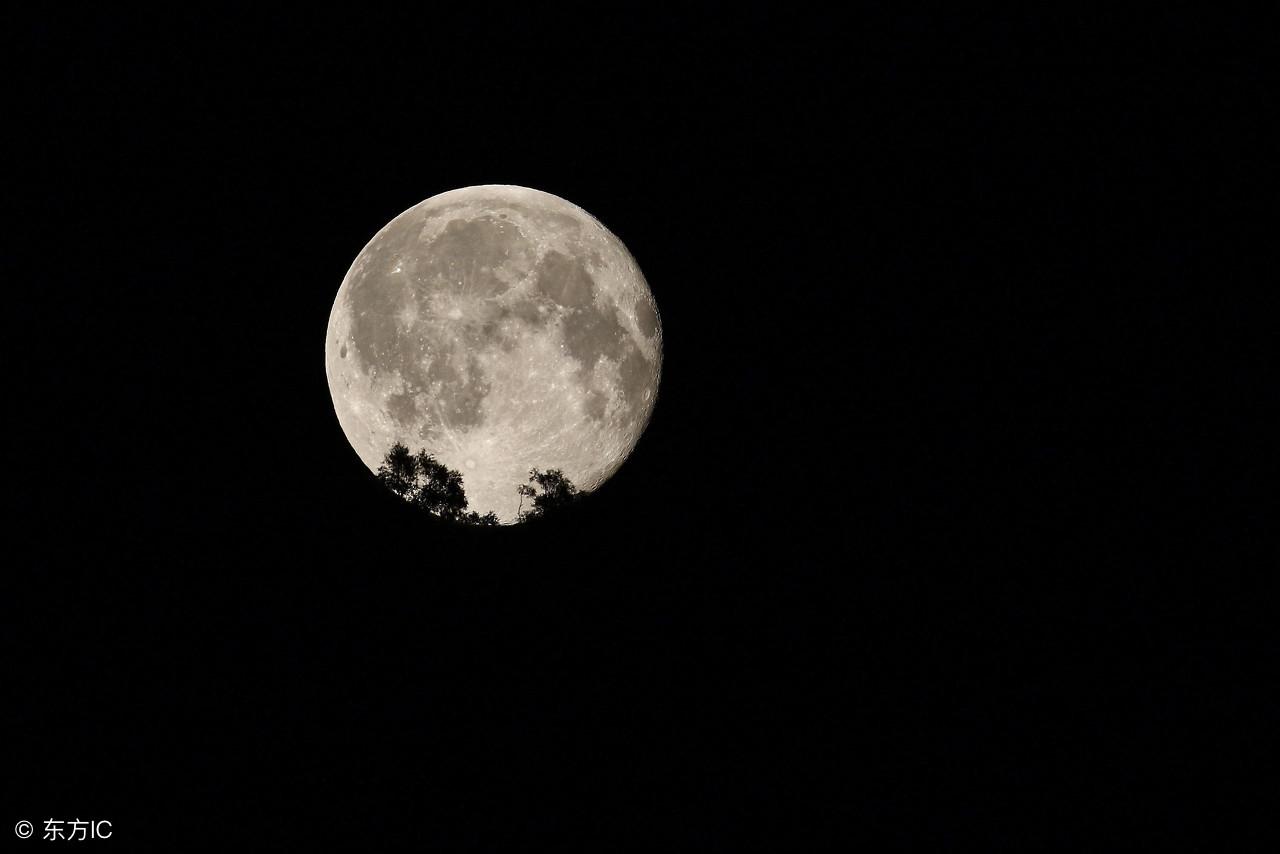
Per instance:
(500,329)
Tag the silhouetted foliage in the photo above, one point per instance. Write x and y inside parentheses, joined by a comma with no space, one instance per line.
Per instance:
(441,490)
(399,471)
(550,492)
(425,482)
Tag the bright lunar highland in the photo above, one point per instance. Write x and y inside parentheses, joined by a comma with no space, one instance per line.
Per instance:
(500,329)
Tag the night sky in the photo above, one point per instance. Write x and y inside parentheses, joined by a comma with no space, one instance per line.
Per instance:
(950,526)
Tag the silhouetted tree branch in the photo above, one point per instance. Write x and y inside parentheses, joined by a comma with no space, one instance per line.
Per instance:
(551,491)
(429,484)
(425,482)
(399,471)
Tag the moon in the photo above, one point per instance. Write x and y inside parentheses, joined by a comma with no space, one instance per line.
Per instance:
(500,329)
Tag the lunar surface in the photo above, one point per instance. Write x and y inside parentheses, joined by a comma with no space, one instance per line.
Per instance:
(500,329)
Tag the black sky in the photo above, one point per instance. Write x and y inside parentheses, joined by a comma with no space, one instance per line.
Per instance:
(950,526)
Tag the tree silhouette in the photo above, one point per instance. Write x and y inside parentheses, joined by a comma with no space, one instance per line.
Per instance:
(550,492)
(399,471)
(429,484)
(441,490)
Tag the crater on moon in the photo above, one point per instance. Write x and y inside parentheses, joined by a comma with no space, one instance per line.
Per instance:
(500,329)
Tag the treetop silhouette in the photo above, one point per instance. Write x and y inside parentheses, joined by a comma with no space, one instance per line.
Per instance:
(550,492)
(430,485)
